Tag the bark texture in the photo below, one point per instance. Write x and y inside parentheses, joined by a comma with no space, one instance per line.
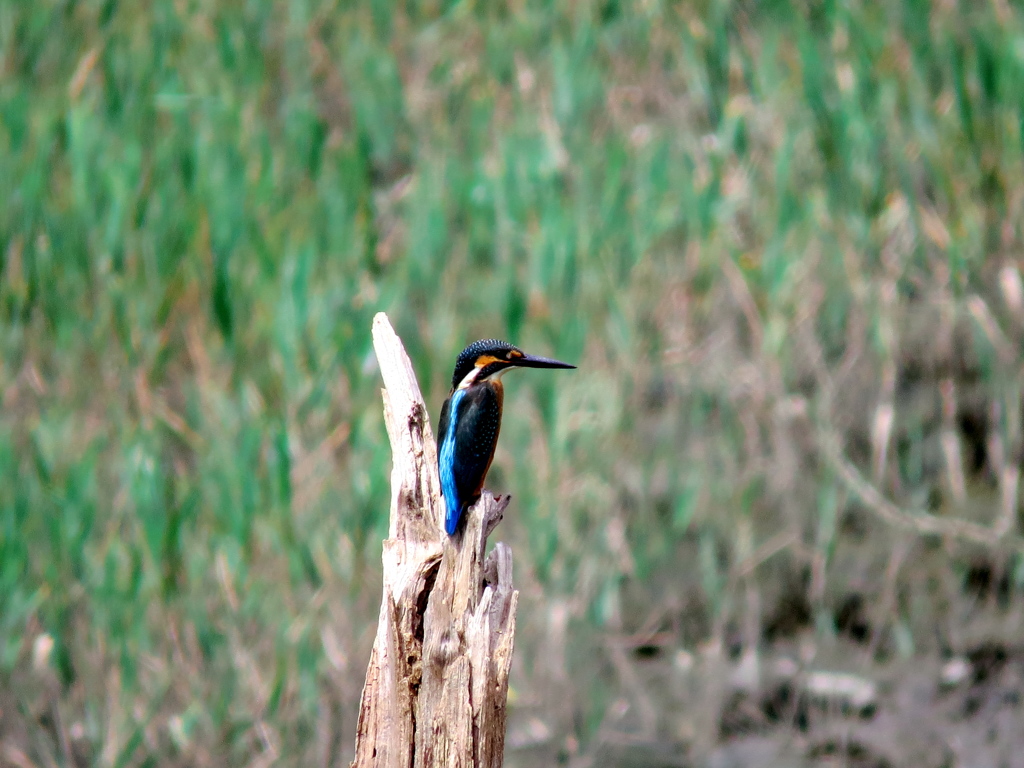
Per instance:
(437,681)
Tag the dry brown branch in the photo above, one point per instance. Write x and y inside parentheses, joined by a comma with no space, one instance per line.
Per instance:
(918,521)
(437,681)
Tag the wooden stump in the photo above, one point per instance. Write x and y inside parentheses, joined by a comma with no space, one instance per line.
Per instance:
(437,681)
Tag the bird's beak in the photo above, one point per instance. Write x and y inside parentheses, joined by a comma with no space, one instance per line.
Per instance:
(532,361)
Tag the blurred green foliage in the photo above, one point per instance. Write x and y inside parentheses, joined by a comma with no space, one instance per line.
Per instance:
(707,205)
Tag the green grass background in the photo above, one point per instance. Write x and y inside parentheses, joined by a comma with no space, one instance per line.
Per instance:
(750,224)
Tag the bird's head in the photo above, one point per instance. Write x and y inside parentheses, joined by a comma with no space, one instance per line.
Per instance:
(488,358)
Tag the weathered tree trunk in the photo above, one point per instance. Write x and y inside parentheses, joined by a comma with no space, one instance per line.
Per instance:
(437,681)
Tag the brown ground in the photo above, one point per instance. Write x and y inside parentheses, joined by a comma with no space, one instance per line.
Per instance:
(837,702)
(917,717)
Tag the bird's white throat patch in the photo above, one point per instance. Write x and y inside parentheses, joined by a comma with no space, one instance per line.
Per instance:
(471,377)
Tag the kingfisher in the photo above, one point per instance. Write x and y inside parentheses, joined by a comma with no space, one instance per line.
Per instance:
(471,420)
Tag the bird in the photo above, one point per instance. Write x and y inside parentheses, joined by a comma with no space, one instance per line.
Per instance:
(471,420)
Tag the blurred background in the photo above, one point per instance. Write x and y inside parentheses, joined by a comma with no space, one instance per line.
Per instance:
(773,519)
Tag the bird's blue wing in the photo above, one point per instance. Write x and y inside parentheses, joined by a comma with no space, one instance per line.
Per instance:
(470,423)
(446,461)
(476,435)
